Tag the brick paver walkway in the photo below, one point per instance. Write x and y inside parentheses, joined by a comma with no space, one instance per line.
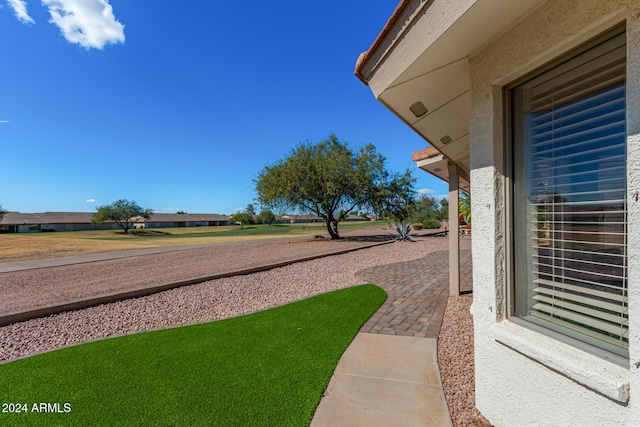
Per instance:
(418,292)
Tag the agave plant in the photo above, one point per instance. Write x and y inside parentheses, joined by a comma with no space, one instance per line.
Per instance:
(404,231)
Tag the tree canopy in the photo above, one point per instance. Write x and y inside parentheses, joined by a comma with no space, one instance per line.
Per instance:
(250,209)
(266,216)
(429,211)
(242,218)
(328,177)
(123,212)
(2,212)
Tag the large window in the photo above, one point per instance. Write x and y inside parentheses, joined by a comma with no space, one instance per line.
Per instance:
(569,198)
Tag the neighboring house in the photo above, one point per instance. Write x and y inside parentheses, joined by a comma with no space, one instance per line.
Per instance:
(290,218)
(536,104)
(16,222)
(165,220)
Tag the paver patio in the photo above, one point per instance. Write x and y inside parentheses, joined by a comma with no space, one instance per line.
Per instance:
(385,380)
(418,292)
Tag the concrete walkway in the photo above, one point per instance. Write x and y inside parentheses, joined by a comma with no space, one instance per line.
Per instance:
(389,375)
(384,380)
(6,267)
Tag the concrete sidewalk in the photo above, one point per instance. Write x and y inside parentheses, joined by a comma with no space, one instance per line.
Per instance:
(389,375)
(385,380)
(6,267)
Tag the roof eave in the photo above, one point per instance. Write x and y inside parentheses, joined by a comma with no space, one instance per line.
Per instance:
(364,56)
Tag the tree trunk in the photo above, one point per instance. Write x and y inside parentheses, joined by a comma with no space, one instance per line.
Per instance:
(332,228)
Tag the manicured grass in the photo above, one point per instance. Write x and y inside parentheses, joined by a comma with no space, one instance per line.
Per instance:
(268,368)
(249,230)
(280,230)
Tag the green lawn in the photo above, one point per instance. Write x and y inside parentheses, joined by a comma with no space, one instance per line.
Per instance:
(268,368)
(248,230)
(279,230)
(28,246)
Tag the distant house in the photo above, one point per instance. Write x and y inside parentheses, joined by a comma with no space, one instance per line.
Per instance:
(165,220)
(16,222)
(534,106)
(293,219)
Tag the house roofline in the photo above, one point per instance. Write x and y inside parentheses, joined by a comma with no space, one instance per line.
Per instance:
(425,153)
(364,56)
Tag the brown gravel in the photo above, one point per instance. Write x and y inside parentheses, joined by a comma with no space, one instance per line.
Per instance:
(29,289)
(216,299)
(455,358)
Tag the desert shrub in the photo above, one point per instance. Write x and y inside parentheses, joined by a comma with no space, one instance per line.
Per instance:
(404,232)
(431,223)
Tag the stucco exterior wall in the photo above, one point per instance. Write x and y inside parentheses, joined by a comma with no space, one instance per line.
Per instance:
(524,377)
(414,33)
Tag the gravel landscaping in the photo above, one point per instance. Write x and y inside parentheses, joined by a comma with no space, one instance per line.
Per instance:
(234,296)
(216,299)
(455,358)
(29,289)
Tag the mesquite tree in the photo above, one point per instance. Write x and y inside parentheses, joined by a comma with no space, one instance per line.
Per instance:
(327,177)
(123,212)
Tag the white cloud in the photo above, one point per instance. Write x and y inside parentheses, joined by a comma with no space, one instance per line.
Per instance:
(89,23)
(20,8)
(91,200)
(425,191)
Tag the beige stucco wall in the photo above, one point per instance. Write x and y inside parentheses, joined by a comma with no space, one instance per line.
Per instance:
(526,378)
(410,36)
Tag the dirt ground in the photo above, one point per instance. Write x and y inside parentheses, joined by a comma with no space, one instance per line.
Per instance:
(35,288)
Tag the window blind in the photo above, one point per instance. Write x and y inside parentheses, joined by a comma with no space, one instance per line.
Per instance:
(572,122)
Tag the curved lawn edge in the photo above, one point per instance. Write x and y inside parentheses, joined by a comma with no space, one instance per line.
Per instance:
(265,368)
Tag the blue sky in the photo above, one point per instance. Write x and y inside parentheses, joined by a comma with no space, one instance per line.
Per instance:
(178,105)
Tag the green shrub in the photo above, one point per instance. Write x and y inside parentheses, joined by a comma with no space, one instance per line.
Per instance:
(431,223)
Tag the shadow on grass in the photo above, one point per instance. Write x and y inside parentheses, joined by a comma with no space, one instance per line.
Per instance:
(145,232)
